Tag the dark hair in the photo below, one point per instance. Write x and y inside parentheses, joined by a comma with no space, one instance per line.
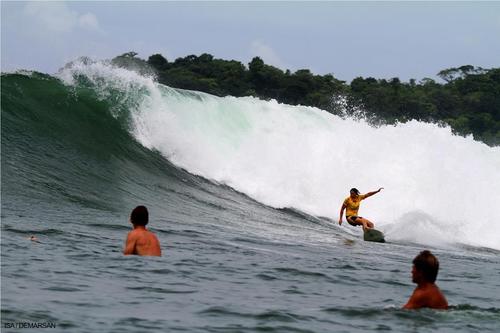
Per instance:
(355,190)
(139,215)
(427,264)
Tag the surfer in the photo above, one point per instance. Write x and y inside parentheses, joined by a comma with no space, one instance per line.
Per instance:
(141,241)
(426,294)
(351,205)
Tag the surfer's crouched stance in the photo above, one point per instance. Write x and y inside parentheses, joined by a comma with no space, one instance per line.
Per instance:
(351,205)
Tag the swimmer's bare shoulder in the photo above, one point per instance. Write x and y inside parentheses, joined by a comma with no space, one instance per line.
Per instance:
(148,244)
(142,242)
(429,296)
(130,243)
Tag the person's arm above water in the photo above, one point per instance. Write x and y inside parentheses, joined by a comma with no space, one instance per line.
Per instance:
(369,194)
(416,301)
(130,244)
(342,212)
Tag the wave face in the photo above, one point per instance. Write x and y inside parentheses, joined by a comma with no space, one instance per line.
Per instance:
(439,188)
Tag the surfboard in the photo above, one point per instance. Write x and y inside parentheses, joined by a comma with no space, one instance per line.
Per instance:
(372,235)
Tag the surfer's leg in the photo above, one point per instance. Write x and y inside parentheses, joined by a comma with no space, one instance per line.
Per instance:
(357,220)
(366,224)
(354,221)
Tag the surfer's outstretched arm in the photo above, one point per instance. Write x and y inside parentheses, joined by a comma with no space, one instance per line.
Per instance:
(369,194)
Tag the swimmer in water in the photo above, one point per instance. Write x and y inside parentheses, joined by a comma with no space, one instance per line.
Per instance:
(141,241)
(424,274)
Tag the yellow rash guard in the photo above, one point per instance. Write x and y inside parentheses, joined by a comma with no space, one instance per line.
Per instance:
(352,206)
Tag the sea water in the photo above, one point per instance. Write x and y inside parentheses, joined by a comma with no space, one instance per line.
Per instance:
(244,196)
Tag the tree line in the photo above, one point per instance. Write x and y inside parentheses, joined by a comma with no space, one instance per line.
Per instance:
(468,99)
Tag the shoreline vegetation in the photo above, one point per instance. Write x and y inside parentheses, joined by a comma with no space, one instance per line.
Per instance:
(468,100)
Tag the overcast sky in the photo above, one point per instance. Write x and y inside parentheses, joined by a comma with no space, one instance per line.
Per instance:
(349,39)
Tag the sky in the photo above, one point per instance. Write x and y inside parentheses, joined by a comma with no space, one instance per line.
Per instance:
(347,39)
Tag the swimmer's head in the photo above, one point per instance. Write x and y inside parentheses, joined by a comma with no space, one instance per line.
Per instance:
(426,266)
(139,216)
(354,191)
